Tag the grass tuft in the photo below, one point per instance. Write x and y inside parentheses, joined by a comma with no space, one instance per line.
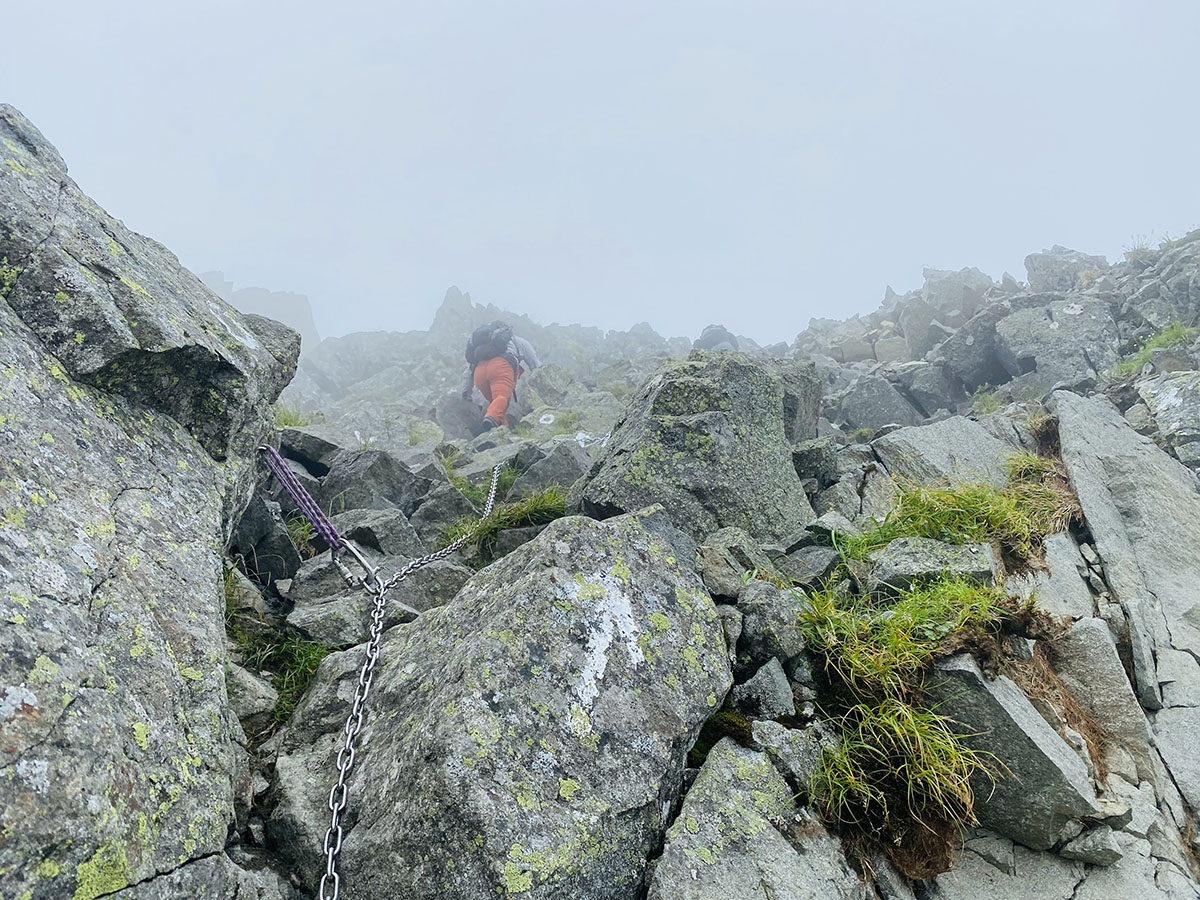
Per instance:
(301,533)
(862,435)
(875,647)
(1033,505)
(900,775)
(1172,336)
(289,659)
(289,417)
(540,508)
(477,494)
(292,660)
(985,401)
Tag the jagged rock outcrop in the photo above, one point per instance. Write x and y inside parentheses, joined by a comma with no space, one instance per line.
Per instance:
(118,312)
(129,394)
(708,438)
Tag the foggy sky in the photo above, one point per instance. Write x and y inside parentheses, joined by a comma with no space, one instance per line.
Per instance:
(676,162)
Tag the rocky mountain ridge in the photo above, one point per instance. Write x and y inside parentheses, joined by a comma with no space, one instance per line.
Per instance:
(812,620)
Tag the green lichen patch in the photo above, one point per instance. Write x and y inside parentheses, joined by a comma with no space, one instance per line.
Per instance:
(106,871)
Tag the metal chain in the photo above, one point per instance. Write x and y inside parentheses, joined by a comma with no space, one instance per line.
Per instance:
(330,888)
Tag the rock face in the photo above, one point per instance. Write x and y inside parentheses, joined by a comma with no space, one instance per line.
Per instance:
(118,312)
(551,726)
(121,755)
(535,752)
(1142,507)
(707,438)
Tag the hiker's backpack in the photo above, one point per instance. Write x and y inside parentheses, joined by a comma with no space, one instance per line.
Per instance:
(488,342)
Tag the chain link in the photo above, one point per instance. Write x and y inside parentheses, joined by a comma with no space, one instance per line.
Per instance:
(331,882)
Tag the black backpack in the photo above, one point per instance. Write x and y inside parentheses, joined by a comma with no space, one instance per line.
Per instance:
(488,342)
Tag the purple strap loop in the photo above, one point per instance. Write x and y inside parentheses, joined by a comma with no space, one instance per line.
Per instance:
(308,506)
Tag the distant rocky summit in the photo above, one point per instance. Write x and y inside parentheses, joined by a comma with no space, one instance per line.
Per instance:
(293,310)
(908,609)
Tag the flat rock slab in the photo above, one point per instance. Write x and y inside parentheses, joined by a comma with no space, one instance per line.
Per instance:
(1086,661)
(740,834)
(1048,785)
(907,562)
(1144,514)
(528,738)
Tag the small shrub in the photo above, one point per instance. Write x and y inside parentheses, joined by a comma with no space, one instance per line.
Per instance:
(289,417)
(1173,335)
(540,508)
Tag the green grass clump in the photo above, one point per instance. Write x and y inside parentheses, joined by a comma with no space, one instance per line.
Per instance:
(877,648)
(1017,517)
(899,774)
(477,494)
(301,533)
(566,423)
(985,401)
(422,431)
(862,435)
(540,508)
(288,658)
(1172,336)
(289,417)
(292,660)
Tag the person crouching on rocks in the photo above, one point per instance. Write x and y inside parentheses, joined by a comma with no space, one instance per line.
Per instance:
(496,358)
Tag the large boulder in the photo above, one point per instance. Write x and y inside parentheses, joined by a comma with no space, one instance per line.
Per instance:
(708,438)
(528,738)
(872,402)
(1044,785)
(953,450)
(117,311)
(121,754)
(741,835)
(1061,268)
(1066,341)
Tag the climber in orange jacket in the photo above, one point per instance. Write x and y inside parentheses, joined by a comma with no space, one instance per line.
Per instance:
(496,358)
